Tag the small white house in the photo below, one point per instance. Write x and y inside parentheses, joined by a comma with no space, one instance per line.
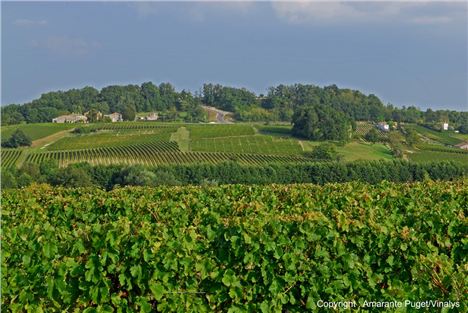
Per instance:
(152,116)
(70,118)
(383,126)
(445,126)
(115,117)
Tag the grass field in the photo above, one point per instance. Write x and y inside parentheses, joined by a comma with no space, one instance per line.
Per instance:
(248,144)
(182,137)
(114,138)
(35,131)
(362,151)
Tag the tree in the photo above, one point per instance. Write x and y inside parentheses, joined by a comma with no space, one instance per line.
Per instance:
(463,128)
(395,140)
(372,135)
(135,175)
(412,137)
(17,139)
(319,122)
(72,176)
(128,113)
(324,152)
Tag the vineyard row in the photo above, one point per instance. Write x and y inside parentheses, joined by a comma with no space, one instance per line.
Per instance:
(153,154)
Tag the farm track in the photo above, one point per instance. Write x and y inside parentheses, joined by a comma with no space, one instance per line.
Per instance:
(45,141)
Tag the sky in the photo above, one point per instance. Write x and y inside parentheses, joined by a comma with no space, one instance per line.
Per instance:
(407,53)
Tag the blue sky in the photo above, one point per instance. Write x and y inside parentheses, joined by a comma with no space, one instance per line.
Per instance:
(406,53)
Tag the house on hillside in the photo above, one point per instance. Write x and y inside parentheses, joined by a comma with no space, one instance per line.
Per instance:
(97,115)
(114,117)
(152,116)
(463,145)
(70,118)
(383,126)
(445,126)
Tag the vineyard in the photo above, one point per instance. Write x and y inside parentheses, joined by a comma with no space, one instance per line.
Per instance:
(115,138)
(362,128)
(9,157)
(155,153)
(248,144)
(445,138)
(434,156)
(35,131)
(234,248)
(131,126)
(212,131)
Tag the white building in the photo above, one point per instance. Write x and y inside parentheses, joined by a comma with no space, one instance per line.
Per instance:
(70,118)
(115,117)
(152,117)
(445,126)
(383,126)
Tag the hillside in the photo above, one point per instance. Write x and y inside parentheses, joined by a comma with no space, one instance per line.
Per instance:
(156,143)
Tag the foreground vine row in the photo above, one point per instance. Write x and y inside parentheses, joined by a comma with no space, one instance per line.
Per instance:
(233,248)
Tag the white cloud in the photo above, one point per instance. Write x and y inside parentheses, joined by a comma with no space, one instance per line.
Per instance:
(427,20)
(194,10)
(144,9)
(24,22)
(307,11)
(300,12)
(66,45)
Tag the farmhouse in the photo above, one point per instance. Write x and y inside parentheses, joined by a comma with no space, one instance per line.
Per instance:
(70,118)
(383,126)
(152,116)
(115,117)
(97,115)
(463,145)
(445,126)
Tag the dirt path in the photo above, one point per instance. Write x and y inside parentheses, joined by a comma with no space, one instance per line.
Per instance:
(45,141)
(182,137)
(220,114)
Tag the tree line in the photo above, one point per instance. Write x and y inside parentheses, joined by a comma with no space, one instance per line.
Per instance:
(127,100)
(281,103)
(109,177)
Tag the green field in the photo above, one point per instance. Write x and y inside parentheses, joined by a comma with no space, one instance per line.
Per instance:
(236,248)
(35,131)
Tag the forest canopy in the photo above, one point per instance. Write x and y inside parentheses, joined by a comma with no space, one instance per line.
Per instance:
(279,104)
